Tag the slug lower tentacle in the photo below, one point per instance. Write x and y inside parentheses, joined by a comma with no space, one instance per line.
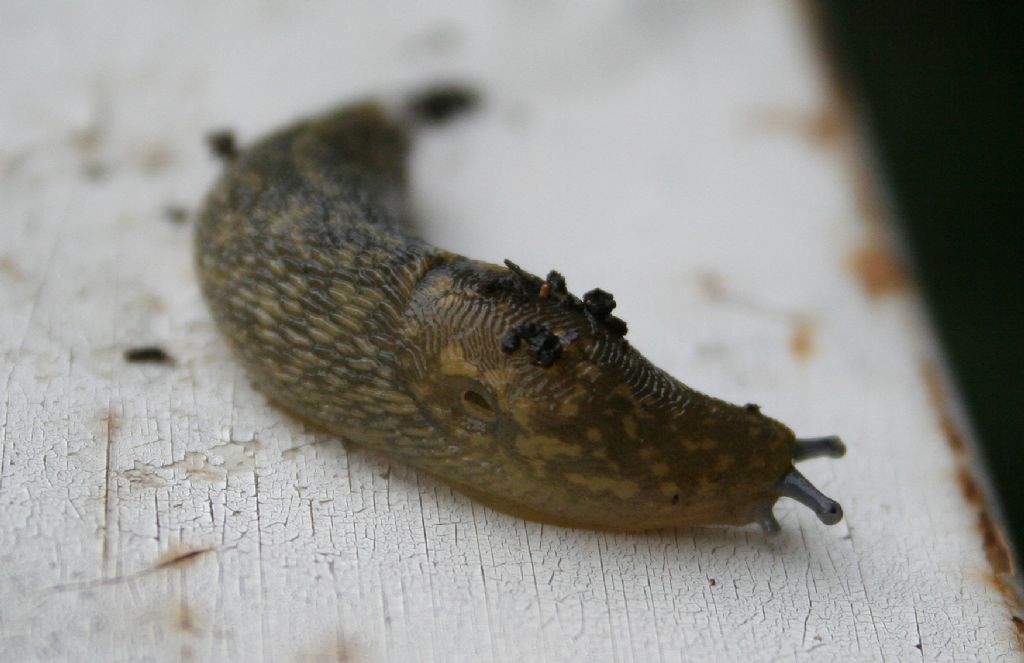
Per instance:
(502,384)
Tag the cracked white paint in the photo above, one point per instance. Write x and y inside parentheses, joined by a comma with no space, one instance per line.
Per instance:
(624,144)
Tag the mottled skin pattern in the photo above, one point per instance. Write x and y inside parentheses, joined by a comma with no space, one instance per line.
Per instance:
(347,321)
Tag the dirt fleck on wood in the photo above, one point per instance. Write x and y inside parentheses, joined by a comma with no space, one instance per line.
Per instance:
(802,340)
(150,354)
(223,144)
(878,270)
(110,421)
(88,138)
(95,171)
(10,269)
(152,303)
(711,285)
(184,619)
(176,214)
(156,158)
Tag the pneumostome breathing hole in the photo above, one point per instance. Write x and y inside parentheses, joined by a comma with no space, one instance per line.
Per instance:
(477,405)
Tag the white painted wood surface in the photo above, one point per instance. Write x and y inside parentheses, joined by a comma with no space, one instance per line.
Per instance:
(688,157)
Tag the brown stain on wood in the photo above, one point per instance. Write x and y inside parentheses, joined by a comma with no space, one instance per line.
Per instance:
(994,544)
(156,157)
(152,303)
(867,197)
(184,620)
(803,340)
(10,269)
(803,334)
(840,104)
(711,285)
(833,126)
(968,486)
(828,126)
(940,403)
(876,267)
(878,270)
(339,653)
(110,421)
(825,127)
(88,138)
(997,551)
(177,558)
(879,273)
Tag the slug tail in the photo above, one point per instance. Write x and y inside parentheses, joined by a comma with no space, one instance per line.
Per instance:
(795,486)
(819,447)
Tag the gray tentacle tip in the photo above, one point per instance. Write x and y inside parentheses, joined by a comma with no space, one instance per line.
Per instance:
(819,447)
(795,486)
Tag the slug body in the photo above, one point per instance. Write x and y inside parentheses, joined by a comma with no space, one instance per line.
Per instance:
(498,382)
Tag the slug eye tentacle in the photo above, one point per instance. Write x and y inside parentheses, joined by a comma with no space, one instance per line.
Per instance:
(796,486)
(819,447)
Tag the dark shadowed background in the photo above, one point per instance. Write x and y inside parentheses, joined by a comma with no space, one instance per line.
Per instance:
(941,86)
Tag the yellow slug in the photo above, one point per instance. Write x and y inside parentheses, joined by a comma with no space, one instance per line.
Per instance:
(500,383)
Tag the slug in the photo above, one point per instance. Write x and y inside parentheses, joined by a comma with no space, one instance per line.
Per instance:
(500,383)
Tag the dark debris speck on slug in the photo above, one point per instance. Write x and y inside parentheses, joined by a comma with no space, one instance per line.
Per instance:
(543,344)
(600,305)
(518,283)
(556,282)
(597,304)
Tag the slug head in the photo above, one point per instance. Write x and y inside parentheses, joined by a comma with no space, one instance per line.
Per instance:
(537,398)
